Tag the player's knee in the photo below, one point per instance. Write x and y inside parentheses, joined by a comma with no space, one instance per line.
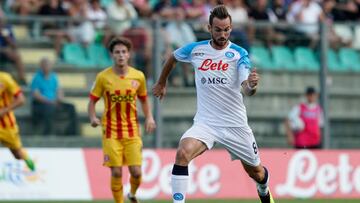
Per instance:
(183,157)
(135,173)
(116,172)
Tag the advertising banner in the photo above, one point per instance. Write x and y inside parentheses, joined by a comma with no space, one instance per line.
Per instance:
(293,173)
(60,175)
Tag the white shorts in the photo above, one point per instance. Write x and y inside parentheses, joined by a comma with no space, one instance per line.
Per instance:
(238,141)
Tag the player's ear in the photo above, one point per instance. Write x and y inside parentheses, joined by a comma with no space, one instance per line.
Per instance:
(209,28)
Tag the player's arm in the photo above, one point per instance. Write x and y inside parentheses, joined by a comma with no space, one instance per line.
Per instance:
(249,86)
(95,94)
(159,89)
(288,132)
(149,119)
(94,120)
(19,100)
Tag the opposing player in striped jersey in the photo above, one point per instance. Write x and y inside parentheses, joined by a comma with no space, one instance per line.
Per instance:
(120,86)
(222,71)
(11,97)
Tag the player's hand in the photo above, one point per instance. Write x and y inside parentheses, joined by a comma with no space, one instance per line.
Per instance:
(253,78)
(94,122)
(150,125)
(159,90)
(3,111)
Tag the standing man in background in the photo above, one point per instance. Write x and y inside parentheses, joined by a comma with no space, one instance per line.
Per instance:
(11,97)
(304,123)
(222,71)
(120,86)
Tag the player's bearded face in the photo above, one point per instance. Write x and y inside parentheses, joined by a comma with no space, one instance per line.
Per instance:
(120,55)
(220,31)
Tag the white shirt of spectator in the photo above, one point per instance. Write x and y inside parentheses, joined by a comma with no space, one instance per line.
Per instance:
(218,78)
(120,16)
(310,15)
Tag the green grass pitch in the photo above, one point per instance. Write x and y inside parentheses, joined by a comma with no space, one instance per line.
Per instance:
(209,201)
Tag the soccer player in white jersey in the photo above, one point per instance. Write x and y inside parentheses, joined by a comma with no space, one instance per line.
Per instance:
(222,71)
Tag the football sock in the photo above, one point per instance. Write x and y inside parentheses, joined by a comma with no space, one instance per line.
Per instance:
(134,183)
(179,183)
(117,189)
(30,164)
(262,186)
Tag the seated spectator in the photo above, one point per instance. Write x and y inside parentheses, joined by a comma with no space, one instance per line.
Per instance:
(48,104)
(267,34)
(120,14)
(179,34)
(98,17)
(306,14)
(8,50)
(25,7)
(54,30)
(81,29)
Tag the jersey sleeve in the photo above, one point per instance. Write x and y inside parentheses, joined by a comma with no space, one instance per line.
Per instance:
(142,91)
(244,66)
(183,54)
(97,89)
(12,86)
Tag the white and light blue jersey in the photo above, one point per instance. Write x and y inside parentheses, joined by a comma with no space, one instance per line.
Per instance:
(218,78)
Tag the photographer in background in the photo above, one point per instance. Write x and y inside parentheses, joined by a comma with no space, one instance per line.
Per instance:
(304,122)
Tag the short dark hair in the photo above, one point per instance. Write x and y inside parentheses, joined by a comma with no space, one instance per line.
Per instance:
(310,90)
(119,40)
(220,12)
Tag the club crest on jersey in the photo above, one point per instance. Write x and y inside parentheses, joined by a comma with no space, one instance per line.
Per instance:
(134,83)
(229,54)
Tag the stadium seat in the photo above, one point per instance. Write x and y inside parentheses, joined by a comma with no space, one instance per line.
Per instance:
(99,55)
(34,55)
(306,59)
(356,39)
(333,62)
(283,58)
(74,53)
(261,57)
(350,58)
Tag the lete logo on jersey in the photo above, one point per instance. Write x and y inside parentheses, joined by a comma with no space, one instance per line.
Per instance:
(209,64)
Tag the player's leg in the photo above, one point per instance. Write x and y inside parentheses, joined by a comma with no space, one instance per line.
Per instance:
(188,149)
(133,157)
(11,139)
(116,184)
(261,176)
(113,158)
(135,181)
(241,144)
(20,154)
(194,142)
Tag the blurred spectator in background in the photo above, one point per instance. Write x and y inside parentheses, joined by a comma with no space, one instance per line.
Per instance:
(54,29)
(81,29)
(98,17)
(238,10)
(120,14)
(304,122)
(179,33)
(48,104)
(8,50)
(306,14)
(24,7)
(267,34)
(142,7)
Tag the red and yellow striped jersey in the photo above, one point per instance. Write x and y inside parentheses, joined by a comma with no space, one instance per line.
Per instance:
(120,118)
(8,90)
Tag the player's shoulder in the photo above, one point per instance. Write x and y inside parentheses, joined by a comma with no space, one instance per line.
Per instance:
(192,45)
(239,49)
(105,72)
(136,72)
(5,75)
